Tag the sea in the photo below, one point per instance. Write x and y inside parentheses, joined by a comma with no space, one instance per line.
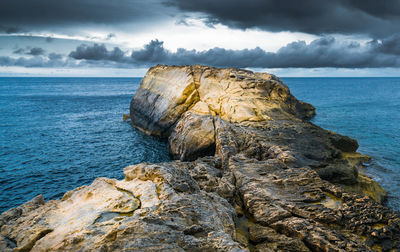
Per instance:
(60,133)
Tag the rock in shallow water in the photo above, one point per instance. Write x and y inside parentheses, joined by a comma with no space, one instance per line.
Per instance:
(271,182)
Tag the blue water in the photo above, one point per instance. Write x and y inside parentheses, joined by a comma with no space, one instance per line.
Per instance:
(367,109)
(60,133)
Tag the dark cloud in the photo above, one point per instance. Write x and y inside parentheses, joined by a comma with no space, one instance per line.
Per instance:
(97,52)
(323,52)
(389,45)
(36,61)
(39,14)
(35,51)
(153,52)
(9,29)
(372,17)
(19,51)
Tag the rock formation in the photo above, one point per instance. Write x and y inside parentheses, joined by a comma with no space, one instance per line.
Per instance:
(252,174)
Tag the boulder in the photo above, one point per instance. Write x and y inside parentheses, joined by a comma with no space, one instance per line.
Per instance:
(342,173)
(192,137)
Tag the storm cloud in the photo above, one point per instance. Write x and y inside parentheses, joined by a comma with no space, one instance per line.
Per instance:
(9,29)
(377,19)
(371,17)
(97,52)
(323,52)
(17,15)
(319,53)
(35,51)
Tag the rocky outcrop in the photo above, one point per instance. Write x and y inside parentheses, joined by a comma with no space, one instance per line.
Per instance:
(206,111)
(293,179)
(252,174)
(156,208)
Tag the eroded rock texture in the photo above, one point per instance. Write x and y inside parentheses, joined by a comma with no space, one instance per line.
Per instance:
(156,208)
(298,184)
(252,174)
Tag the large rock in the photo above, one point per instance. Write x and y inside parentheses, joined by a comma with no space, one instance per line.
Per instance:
(276,165)
(235,95)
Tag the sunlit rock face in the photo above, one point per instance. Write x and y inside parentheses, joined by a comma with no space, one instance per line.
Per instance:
(252,174)
(232,94)
(156,208)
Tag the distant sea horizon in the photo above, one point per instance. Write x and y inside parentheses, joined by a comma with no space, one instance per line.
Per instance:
(58,133)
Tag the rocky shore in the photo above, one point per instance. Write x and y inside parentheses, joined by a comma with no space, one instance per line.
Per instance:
(251,173)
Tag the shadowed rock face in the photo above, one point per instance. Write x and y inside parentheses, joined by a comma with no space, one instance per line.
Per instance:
(252,175)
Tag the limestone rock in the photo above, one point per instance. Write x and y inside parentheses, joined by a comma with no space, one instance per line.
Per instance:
(235,95)
(157,207)
(340,173)
(165,94)
(193,137)
(277,168)
(306,210)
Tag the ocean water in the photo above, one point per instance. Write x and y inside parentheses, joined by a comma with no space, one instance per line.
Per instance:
(60,133)
(366,109)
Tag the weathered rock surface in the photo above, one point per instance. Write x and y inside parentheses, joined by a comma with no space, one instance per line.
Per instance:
(157,207)
(193,136)
(252,174)
(295,181)
(232,94)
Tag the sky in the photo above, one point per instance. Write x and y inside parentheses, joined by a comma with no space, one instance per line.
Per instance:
(123,38)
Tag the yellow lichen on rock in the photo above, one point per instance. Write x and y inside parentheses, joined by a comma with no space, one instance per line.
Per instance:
(355,158)
(367,186)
